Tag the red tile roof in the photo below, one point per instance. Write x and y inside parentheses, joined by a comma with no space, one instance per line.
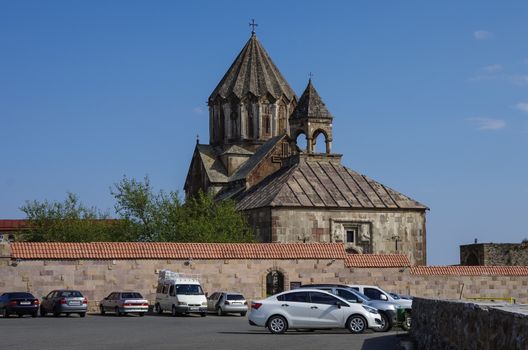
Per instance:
(471,270)
(8,225)
(377,260)
(137,250)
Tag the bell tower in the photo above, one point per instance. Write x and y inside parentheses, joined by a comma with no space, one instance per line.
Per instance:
(311,118)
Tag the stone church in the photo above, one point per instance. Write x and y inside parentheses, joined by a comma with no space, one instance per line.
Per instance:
(291,194)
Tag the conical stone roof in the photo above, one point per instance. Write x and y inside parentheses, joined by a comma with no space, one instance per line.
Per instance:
(310,105)
(253,72)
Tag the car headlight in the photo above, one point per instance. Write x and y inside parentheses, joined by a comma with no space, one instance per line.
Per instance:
(370,309)
(204,303)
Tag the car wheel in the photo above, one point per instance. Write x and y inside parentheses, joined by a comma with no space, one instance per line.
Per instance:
(56,312)
(116,310)
(102,310)
(277,324)
(385,323)
(159,309)
(219,311)
(82,314)
(242,314)
(43,312)
(141,314)
(173,311)
(356,324)
(406,324)
(5,313)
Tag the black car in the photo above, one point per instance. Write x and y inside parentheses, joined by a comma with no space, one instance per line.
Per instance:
(18,303)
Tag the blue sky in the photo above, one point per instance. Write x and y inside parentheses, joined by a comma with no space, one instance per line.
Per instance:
(429,98)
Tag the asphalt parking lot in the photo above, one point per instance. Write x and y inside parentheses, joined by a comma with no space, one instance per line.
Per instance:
(165,332)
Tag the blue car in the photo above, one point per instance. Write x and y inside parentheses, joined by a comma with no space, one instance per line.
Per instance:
(18,303)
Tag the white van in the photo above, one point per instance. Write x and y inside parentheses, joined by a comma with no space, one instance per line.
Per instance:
(180,294)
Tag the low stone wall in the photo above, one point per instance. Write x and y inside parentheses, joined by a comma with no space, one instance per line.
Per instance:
(443,324)
(97,278)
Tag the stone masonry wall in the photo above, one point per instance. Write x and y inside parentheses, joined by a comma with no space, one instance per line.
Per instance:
(298,225)
(442,324)
(97,278)
(494,254)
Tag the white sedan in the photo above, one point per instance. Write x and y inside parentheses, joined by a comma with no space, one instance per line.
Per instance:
(311,309)
(122,303)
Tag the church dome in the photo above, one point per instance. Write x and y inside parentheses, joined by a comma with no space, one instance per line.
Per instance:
(253,72)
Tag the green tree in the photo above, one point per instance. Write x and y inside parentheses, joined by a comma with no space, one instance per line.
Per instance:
(70,221)
(162,217)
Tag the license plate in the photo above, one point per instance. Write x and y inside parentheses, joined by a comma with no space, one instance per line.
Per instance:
(74,303)
(236,303)
(194,308)
(25,303)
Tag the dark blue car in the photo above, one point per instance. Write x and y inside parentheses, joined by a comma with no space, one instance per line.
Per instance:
(18,303)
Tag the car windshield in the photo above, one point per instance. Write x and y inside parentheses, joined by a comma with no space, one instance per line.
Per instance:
(71,294)
(21,295)
(361,295)
(189,289)
(131,296)
(395,296)
(235,297)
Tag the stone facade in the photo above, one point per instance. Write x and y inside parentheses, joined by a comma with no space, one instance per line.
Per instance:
(494,254)
(374,231)
(442,324)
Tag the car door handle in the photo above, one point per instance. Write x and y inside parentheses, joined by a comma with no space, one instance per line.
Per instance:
(314,307)
(285,305)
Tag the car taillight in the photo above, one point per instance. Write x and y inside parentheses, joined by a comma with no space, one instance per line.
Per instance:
(256,306)
(245,302)
(85,301)
(63,301)
(12,303)
(145,304)
(127,304)
(227,302)
(35,302)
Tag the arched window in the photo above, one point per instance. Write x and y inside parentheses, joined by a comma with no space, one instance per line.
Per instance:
(250,122)
(267,124)
(319,139)
(274,282)
(234,122)
(300,140)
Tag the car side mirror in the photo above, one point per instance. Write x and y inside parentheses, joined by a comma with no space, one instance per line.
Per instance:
(338,304)
(383,297)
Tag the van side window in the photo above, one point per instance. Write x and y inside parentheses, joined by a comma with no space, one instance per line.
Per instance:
(165,289)
(373,293)
(160,288)
(171,291)
(345,294)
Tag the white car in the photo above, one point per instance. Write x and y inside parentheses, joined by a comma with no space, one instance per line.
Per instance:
(122,303)
(311,309)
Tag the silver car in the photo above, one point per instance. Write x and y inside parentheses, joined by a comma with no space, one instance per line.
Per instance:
(227,302)
(64,302)
(122,303)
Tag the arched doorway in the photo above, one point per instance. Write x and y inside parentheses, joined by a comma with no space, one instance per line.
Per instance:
(274,282)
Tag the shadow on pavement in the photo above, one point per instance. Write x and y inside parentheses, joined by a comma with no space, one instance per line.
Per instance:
(386,342)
